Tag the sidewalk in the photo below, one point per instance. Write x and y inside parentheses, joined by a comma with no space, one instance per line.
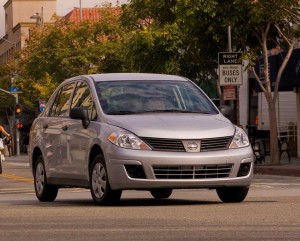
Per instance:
(287,169)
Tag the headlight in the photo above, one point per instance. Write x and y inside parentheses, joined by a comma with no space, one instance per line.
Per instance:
(127,140)
(240,139)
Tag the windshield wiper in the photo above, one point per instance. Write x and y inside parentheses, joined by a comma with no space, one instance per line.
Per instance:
(121,112)
(128,112)
(174,111)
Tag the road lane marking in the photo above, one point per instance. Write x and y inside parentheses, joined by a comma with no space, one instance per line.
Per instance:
(258,185)
(17,191)
(17,178)
(17,164)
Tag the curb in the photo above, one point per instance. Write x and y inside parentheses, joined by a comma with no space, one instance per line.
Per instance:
(278,170)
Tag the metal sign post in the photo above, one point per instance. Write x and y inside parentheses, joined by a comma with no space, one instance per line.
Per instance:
(231,75)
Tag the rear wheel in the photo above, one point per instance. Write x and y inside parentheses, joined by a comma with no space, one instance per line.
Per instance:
(99,183)
(44,192)
(232,194)
(161,193)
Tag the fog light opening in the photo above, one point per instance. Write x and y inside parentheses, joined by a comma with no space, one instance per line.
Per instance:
(244,169)
(135,171)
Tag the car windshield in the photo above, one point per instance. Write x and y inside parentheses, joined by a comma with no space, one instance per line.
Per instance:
(138,97)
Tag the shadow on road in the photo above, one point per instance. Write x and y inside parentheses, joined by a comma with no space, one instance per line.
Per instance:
(126,202)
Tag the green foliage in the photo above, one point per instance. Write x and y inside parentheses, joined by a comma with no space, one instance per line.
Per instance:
(153,51)
(64,50)
(184,37)
(5,76)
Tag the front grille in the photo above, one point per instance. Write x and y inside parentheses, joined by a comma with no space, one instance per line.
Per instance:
(215,144)
(192,172)
(210,144)
(160,144)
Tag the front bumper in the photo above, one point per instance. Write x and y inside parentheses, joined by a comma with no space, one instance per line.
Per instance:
(117,159)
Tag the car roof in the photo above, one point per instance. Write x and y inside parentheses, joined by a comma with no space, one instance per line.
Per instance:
(134,76)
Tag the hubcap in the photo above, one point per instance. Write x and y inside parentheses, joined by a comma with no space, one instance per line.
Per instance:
(99,180)
(39,178)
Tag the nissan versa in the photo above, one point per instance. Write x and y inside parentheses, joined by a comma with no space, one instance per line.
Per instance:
(114,132)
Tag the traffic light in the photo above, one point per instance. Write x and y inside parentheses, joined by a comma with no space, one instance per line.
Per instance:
(18,111)
(19,126)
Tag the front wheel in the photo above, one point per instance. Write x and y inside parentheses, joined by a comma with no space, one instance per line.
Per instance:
(232,194)
(99,184)
(44,192)
(161,193)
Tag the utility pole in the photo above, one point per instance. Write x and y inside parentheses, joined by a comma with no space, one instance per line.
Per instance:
(80,9)
(229,38)
(236,105)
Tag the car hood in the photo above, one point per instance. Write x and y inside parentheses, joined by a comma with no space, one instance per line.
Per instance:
(175,126)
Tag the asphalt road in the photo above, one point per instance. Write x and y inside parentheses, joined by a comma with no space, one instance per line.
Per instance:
(270,212)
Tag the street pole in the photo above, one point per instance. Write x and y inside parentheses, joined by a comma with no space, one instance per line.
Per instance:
(80,9)
(229,38)
(17,130)
(236,105)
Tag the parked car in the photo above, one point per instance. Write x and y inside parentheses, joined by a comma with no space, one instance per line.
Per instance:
(114,132)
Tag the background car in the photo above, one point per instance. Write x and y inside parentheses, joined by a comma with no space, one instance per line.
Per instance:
(114,132)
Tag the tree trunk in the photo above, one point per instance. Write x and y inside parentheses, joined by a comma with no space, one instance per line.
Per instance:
(274,149)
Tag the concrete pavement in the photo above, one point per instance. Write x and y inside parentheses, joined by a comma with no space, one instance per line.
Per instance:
(286,169)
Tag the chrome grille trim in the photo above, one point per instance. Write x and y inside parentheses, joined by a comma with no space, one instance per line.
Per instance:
(193,172)
(209,144)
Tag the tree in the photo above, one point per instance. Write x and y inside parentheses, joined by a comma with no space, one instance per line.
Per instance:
(257,27)
(7,102)
(276,28)
(65,49)
(187,28)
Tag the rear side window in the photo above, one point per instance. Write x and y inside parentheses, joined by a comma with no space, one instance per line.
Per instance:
(62,101)
(83,98)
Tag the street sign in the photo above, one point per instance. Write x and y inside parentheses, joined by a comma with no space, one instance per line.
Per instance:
(229,92)
(230,68)
(15,90)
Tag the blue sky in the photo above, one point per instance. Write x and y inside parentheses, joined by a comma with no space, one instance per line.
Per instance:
(62,7)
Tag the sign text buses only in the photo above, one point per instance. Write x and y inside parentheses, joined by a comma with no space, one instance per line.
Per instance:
(230,68)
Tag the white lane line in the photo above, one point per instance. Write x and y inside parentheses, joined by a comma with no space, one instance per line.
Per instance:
(17,164)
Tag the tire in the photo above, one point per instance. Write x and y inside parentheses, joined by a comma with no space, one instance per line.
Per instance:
(43,191)
(161,193)
(232,194)
(99,183)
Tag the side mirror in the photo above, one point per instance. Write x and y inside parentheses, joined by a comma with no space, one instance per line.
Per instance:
(226,110)
(80,113)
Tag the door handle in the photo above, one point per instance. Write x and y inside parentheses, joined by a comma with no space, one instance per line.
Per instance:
(45,126)
(65,127)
